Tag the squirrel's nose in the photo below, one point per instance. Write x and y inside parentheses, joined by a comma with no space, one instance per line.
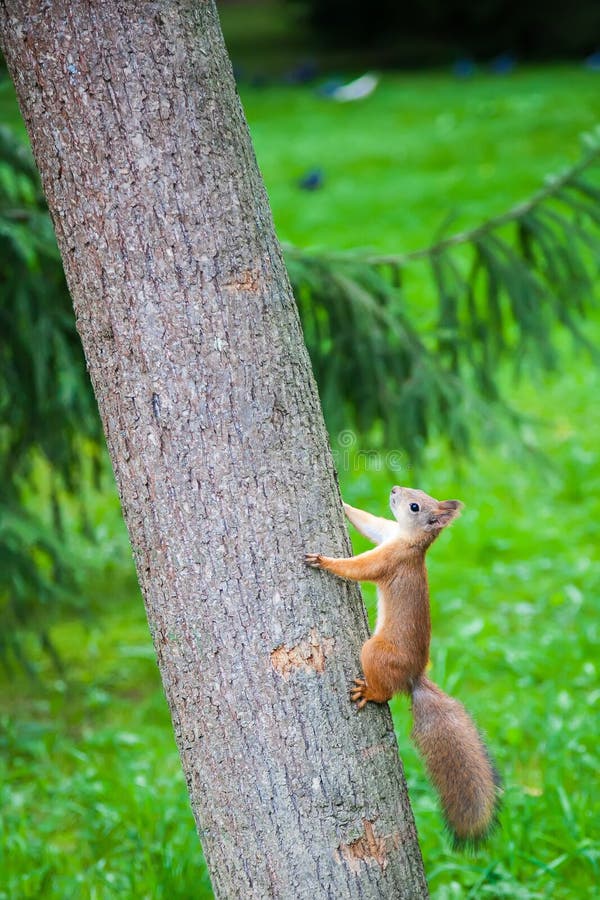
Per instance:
(396,489)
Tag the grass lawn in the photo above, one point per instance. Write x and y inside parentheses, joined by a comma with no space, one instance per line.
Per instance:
(92,800)
(423,146)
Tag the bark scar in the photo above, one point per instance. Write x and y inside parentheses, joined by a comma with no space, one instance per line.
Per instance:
(368,849)
(310,655)
(248,280)
(374,750)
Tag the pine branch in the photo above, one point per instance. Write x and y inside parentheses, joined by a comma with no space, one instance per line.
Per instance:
(47,411)
(569,178)
(504,289)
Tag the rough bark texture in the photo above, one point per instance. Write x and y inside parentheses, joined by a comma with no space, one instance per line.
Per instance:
(218,444)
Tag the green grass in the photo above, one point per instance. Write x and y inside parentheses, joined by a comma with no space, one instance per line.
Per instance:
(421,147)
(92,800)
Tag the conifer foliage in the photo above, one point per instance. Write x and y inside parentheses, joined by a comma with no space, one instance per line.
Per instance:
(47,411)
(504,292)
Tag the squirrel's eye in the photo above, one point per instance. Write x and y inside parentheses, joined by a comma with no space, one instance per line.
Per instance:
(414,507)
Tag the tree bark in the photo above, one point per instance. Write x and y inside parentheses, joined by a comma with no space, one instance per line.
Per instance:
(217,440)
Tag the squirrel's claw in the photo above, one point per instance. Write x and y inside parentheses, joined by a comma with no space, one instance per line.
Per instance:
(358,691)
(313,559)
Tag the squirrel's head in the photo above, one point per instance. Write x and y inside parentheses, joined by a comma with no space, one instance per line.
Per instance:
(420,515)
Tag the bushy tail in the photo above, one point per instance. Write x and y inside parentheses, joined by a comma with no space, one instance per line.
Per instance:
(457,761)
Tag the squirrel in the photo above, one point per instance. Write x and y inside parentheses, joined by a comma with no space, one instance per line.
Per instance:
(395,657)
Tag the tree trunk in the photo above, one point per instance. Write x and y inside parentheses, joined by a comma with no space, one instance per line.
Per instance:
(218,445)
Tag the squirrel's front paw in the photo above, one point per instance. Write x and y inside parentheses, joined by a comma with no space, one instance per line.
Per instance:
(313,559)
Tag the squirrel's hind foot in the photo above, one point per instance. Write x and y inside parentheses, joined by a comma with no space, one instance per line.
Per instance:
(359,692)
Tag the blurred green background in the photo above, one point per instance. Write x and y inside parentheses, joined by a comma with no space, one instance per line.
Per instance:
(92,799)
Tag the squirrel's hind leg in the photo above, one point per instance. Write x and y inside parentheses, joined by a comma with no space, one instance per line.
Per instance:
(385,673)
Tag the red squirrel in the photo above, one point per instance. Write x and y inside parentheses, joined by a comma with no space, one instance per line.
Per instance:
(395,658)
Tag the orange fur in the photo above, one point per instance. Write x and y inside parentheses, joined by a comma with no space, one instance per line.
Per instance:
(394,659)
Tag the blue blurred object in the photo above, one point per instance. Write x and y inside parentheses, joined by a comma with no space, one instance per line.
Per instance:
(328,88)
(503,64)
(312,181)
(303,73)
(464,67)
(238,73)
(259,80)
(593,61)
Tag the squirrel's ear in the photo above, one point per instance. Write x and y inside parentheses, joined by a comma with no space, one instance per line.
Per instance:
(444,513)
